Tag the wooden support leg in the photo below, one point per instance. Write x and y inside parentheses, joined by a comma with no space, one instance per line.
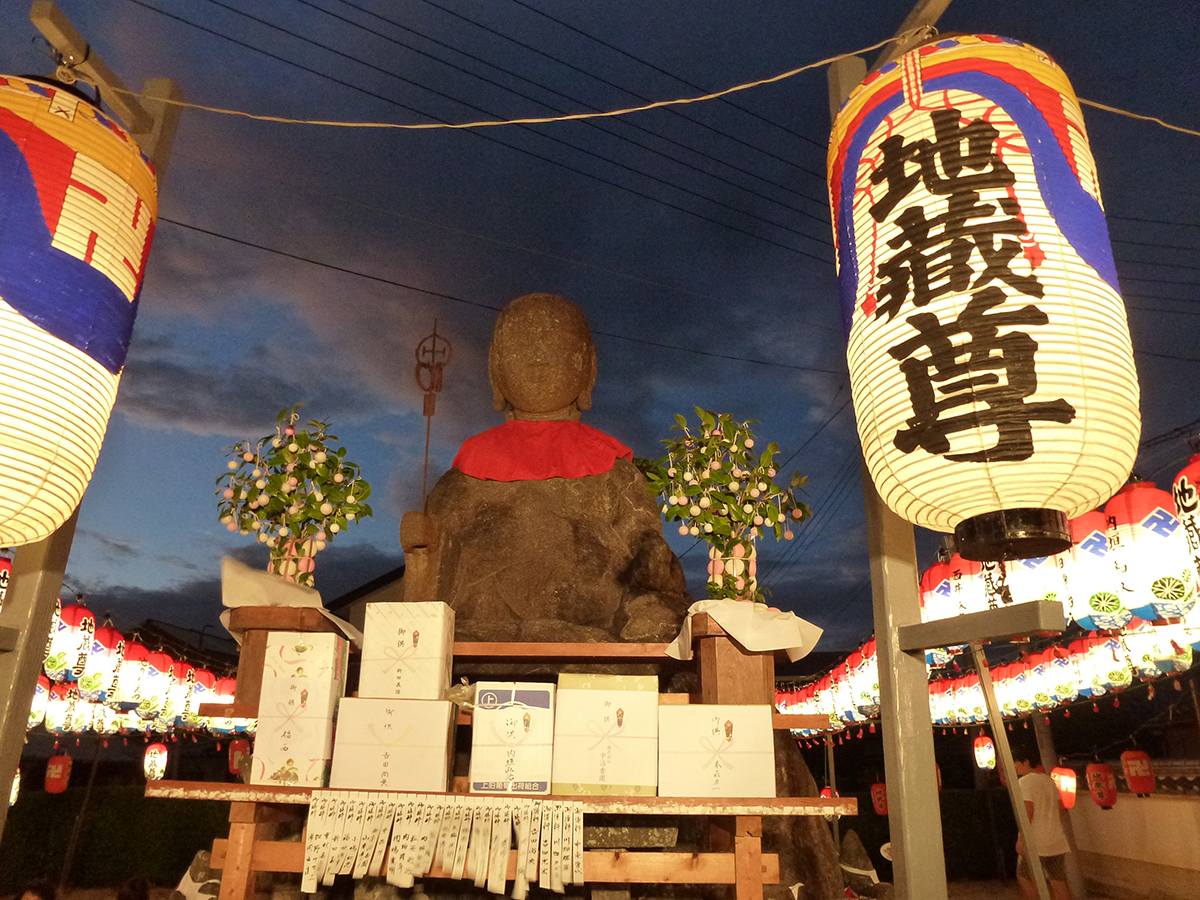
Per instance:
(747,857)
(237,878)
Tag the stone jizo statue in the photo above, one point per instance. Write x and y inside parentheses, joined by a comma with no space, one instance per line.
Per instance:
(544,530)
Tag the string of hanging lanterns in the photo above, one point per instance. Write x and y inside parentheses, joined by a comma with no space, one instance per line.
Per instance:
(96,680)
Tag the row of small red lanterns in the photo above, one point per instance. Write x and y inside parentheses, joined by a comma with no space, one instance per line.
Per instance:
(154,766)
(1102,783)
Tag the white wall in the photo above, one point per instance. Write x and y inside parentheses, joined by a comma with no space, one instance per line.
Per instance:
(1160,830)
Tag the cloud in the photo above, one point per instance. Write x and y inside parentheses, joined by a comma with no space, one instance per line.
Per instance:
(114,546)
(196,603)
(231,400)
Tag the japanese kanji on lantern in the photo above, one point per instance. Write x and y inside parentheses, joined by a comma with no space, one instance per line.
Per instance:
(988,348)
(77,207)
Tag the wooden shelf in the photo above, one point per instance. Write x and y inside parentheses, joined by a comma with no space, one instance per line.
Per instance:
(504,651)
(599,866)
(644,806)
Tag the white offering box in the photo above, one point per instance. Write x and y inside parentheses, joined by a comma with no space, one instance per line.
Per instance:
(512,740)
(407,651)
(715,750)
(393,745)
(606,735)
(303,678)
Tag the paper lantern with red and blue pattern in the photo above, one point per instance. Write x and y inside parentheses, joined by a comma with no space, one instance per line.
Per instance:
(104,655)
(1185,490)
(78,202)
(1150,552)
(70,640)
(37,709)
(1096,601)
(985,753)
(988,347)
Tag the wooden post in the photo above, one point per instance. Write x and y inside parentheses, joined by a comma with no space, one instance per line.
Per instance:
(237,875)
(729,673)
(747,857)
(1049,755)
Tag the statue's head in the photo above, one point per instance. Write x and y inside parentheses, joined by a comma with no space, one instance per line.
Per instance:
(542,362)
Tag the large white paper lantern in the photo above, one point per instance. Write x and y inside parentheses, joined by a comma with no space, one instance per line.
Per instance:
(989,353)
(1150,552)
(78,202)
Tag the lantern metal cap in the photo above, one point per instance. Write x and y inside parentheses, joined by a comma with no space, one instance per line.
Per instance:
(1025,533)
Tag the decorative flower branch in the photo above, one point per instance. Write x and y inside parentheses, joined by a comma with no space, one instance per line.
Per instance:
(294,491)
(711,481)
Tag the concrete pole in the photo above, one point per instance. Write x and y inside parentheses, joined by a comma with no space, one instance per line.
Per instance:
(1049,755)
(914,815)
(37,575)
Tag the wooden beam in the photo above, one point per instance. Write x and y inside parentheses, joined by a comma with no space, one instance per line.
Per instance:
(1019,620)
(781,721)
(644,806)
(599,866)
(582,650)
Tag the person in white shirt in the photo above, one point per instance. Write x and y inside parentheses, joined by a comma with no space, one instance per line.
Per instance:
(1042,804)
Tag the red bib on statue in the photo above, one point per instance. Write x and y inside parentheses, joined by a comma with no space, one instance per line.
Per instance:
(520,450)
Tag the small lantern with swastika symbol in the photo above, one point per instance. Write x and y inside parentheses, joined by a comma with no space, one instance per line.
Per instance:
(1150,552)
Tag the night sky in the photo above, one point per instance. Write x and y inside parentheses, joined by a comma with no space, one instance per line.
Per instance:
(304,263)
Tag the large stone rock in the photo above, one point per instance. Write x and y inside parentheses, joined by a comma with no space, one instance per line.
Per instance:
(804,843)
(579,559)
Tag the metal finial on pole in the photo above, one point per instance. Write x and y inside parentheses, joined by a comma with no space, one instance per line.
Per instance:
(433,355)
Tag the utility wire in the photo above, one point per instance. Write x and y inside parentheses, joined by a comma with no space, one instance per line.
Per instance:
(731,137)
(1154,221)
(397,103)
(481,305)
(822,201)
(557,140)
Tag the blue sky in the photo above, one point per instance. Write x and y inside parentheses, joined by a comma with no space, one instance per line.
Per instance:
(705,230)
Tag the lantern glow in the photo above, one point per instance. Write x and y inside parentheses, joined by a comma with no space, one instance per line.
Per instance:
(154,762)
(1138,771)
(1102,784)
(985,753)
(1151,552)
(79,202)
(1064,780)
(988,348)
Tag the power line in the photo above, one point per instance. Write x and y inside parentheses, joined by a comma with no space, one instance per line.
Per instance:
(1154,221)
(478,304)
(523,150)
(821,201)
(820,145)
(1150,262)
(483,110)
(631,93)
(1167,356)
(1155,245)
